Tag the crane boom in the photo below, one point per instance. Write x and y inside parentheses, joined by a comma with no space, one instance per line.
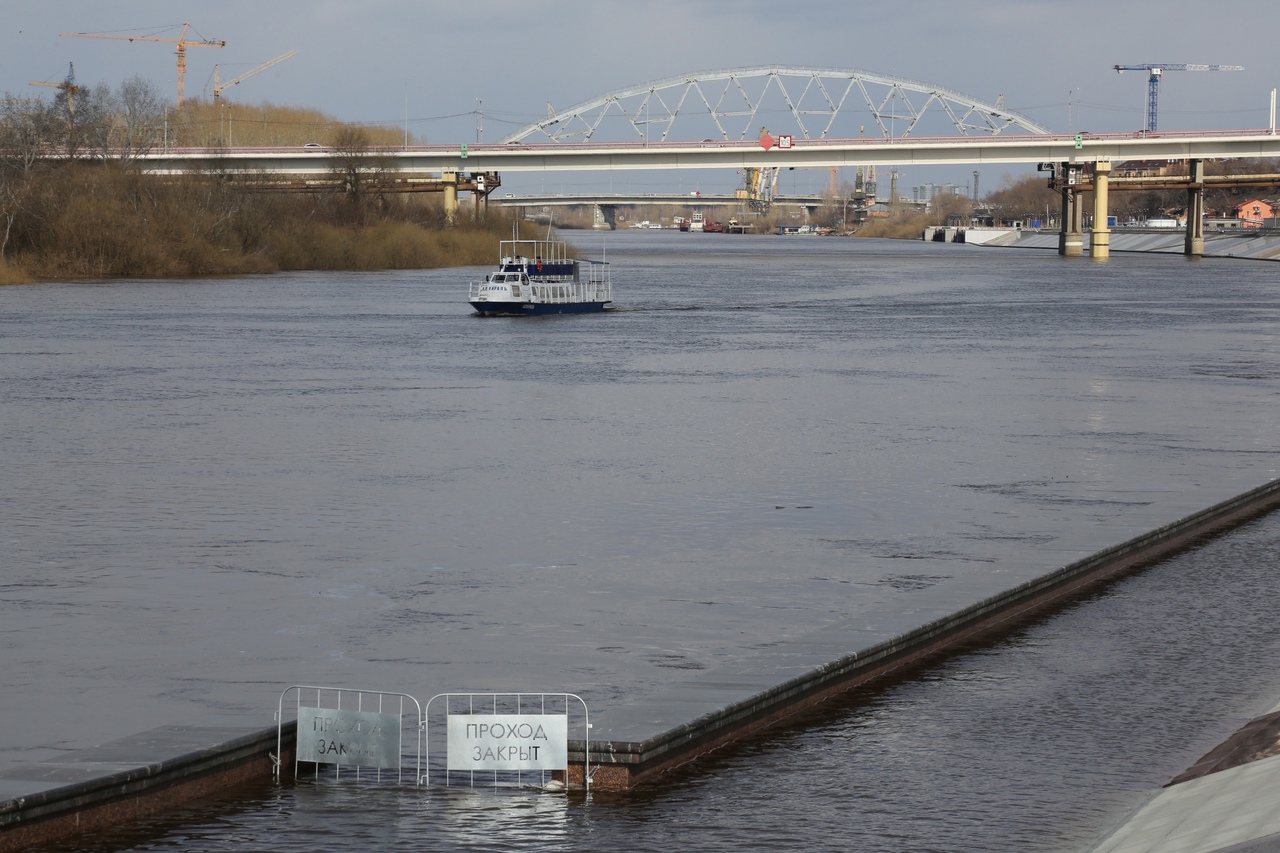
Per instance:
(181,41)
(219,86)
(1156,70)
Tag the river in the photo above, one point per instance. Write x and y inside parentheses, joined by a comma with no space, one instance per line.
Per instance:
(215,489)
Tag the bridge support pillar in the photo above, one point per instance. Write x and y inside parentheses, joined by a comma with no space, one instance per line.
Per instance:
(1071,231)
(450,181)
(1195,211)
(1100,244)
(605,217)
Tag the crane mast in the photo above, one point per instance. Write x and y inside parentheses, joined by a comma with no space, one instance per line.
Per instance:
(1155,71)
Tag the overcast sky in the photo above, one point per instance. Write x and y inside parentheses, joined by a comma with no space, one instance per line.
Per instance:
(375,60)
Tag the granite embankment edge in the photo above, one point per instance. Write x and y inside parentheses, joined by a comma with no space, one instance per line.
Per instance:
(56,814)
(627,764)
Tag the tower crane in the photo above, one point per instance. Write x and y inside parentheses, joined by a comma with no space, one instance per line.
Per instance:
(1155,70)
(182,41)
(69,86)
(218,86)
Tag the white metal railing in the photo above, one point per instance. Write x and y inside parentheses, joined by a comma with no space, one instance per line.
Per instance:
(348,710)
(486,704)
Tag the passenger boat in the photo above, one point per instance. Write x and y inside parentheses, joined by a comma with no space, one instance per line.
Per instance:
(537,277)
(695,222)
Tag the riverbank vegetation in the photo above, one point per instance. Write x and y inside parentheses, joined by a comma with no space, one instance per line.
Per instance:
(73,203)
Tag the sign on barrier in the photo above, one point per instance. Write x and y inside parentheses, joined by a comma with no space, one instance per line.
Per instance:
(508,742)
(356,738)
(507,739)
(351,728)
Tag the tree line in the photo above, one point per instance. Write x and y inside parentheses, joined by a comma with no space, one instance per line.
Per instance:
(73,202)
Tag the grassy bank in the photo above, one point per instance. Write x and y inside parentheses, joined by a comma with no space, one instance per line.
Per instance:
(103,220)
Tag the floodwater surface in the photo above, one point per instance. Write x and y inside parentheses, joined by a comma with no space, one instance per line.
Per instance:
(215,489)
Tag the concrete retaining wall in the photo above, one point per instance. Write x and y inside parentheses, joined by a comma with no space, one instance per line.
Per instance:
(627,764)
(126,795)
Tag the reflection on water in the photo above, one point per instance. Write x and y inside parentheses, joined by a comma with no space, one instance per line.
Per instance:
(215,489)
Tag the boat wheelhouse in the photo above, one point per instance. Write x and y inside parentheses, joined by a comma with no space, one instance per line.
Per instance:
(537,277)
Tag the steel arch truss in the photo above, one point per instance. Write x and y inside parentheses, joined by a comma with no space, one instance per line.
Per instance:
(734,100)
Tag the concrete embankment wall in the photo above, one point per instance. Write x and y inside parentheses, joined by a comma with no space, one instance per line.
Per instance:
(626,764)
(148,773)
(1247,245)
(131,779)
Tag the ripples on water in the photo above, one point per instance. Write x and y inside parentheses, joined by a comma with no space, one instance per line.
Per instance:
(1038,741)
(214,489)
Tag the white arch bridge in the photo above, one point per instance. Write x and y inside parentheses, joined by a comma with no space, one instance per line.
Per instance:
(811,102)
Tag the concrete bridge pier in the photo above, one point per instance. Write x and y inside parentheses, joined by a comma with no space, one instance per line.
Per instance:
(450,181)
(1071,231)
(605,218)
(1195,211)
(1100,244)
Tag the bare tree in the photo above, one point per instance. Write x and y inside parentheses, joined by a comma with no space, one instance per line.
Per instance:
(29,130)
(359,168)
(1025,198)
(139,115)
(95,118)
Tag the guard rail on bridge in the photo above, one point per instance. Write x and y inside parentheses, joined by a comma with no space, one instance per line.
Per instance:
(560,156)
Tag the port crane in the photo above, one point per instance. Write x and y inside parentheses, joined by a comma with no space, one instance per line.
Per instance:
(181,41)
(218,85)
(1155,71)
(69,86)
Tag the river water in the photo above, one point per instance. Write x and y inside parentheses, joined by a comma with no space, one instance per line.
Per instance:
(215,489)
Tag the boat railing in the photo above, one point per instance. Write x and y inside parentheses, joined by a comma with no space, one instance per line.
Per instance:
(591,285)
(581,291)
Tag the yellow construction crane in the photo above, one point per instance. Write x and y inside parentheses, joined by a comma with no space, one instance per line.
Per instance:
(182,41)
(218,85)
(69,86)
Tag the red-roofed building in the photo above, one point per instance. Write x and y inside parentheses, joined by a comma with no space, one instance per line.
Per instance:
(1254,212)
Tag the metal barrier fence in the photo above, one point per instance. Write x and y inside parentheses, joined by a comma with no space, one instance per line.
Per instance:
(505,739)
(360,729)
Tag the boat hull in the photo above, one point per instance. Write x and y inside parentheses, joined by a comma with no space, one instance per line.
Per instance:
(536,309)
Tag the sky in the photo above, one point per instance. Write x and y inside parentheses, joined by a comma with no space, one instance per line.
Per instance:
(431,66)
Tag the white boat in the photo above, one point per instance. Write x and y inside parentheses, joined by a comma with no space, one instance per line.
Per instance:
(537,277)
(695,221)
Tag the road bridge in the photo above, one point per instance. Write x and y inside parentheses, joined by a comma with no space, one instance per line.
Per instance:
(636,199)
(826,113)
(809,153)
(605,204)
(1074,157)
